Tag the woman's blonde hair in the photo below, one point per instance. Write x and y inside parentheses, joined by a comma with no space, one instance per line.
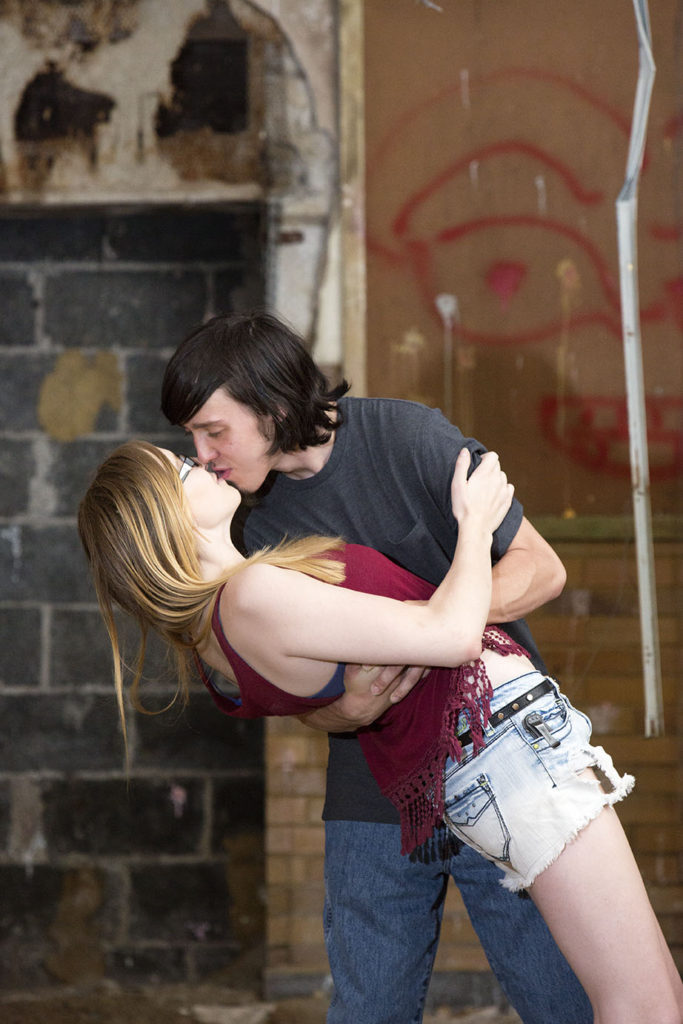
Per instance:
(138,534)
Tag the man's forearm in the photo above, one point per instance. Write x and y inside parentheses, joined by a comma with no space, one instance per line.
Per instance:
(526,577)
(338,717)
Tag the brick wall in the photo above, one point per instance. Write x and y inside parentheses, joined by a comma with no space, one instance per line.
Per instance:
(160,878)
(590,638)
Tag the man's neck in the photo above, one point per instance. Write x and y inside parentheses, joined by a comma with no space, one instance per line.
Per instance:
(304,462)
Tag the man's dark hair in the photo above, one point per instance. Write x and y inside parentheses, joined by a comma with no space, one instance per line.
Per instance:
(262,363)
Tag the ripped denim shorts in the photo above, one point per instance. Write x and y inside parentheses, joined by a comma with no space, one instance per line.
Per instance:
(521,799)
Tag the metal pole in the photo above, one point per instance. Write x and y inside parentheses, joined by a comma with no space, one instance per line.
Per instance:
(627,206)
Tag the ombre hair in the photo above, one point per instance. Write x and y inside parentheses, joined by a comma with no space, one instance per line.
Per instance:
(140,540)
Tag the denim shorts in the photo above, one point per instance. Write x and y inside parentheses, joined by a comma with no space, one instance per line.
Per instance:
(520,800)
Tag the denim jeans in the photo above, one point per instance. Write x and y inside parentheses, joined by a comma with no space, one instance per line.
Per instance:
(382,921)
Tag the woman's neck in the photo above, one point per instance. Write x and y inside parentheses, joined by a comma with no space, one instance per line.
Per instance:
(217,554)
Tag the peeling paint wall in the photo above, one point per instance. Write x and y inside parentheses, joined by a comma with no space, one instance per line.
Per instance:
(181,101)
(160,161)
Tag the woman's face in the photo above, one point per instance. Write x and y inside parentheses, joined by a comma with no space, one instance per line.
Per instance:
(212,501)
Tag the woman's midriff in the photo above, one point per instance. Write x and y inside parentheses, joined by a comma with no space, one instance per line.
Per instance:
(503,667)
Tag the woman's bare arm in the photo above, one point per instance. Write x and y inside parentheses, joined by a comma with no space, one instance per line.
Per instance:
(307,621)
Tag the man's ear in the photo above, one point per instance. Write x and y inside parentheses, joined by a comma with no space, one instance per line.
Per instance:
(266,427)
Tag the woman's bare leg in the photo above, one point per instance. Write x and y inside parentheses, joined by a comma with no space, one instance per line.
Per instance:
(596,906)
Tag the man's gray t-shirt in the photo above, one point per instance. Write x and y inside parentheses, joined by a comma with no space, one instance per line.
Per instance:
(387,485)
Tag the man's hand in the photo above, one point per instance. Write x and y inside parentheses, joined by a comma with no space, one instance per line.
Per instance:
(395,681)
(369,691)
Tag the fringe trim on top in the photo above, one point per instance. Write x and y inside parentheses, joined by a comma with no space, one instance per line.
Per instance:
(419,798)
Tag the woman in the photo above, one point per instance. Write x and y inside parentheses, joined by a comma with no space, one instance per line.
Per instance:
(486,742)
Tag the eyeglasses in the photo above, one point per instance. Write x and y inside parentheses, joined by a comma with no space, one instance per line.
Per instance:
(186,465)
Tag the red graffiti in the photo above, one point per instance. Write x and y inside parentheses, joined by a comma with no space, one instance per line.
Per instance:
(674,292)
(447,94)
(402,222)
(439,262)
(504,278)
(669,232)
(421,256)
(594,432)
(478,231)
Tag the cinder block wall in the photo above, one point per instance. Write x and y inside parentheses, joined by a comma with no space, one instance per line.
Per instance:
(158,877)
(590,638)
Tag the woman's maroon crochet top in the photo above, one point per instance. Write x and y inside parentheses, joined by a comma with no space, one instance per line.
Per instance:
(407,747)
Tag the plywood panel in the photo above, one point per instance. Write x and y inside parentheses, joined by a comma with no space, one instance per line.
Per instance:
(496,139)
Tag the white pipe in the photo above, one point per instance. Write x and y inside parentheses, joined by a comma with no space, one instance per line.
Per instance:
(627,206)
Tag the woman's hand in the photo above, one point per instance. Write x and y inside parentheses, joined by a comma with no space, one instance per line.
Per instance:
(486,496)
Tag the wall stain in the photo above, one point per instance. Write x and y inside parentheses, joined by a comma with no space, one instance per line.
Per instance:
(211,125)
(244,872)
(209,78)
(52,108)
(55,116)
(83,23)
(78,957)
(72,395)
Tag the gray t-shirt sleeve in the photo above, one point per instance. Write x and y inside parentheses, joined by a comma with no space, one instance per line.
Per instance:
(437,446)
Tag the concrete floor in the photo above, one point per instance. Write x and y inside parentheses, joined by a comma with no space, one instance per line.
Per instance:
(192,1005)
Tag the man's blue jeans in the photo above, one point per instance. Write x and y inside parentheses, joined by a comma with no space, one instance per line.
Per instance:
(382,920)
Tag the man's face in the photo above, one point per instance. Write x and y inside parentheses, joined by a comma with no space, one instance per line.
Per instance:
(233,441)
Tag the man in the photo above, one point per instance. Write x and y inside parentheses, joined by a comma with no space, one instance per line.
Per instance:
(377,472)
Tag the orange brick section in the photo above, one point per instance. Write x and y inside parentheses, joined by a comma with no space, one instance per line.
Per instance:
(590,638)
(296,760)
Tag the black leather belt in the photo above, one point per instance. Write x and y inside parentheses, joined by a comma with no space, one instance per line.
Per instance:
(518,704)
